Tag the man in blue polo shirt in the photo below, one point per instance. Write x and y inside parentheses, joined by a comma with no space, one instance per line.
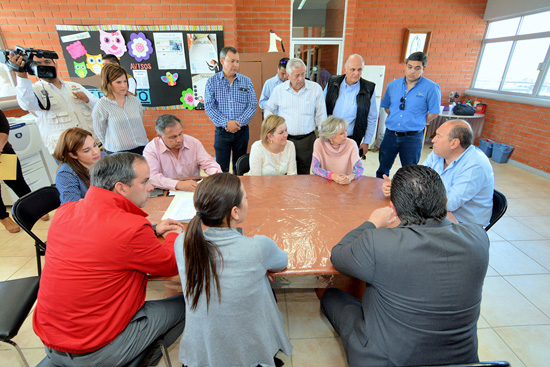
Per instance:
(271,83)
(411,102)
(230,102)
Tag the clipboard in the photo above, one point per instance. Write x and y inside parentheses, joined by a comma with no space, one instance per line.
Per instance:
(8,166)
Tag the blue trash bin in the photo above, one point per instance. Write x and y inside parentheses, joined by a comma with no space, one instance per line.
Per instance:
(486,146)
(501,152)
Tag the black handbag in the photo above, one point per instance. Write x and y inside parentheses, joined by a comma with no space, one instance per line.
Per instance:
(464,110)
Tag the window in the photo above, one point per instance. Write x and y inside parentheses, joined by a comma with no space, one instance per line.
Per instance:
(515,57)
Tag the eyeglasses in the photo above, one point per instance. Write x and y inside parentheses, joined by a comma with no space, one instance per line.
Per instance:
(402,105)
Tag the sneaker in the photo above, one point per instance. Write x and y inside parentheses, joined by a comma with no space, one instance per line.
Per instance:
(10,225)
(45,217)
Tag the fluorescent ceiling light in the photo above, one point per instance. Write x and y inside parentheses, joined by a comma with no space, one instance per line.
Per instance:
(301,4)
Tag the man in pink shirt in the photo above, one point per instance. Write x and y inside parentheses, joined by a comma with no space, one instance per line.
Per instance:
(174,156)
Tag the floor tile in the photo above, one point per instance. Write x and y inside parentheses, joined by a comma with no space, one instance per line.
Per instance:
(26,338)
(482,323)
(538,224)
(503,305)
(318,352)
(529,343)
(11,264)
(33,357)
(492,348)
(538,250)
(525,207)
(491,272)
(506,259)
(305,319)
(493,236)
(535,287)
(510,229)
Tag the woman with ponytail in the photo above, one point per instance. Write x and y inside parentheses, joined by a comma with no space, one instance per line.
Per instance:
(232,318)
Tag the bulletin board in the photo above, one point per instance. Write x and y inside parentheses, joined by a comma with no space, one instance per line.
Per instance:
(170,63)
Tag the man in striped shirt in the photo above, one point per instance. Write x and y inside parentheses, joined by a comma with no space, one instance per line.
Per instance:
(230,102)
(302,104)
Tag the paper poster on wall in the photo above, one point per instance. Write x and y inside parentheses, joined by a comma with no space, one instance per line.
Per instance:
(203,53)
(169,50)
(141,78)
(162,73)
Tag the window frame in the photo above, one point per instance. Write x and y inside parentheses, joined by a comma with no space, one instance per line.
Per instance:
(533,98)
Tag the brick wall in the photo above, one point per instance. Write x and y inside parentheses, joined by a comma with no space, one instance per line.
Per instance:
(522,126)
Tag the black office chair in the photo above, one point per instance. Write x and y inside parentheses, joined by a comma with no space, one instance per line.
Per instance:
(30,208)
(476,364)
(142,360)
(500,204)
(16,300)
(243,164)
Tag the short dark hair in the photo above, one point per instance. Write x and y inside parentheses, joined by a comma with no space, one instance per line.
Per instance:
(165,121)
(418,56)
(118,167)
(418,194)
(227,49)
(111,58)
(463,133)
(283,62)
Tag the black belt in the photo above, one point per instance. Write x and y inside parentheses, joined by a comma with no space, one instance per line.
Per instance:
(60,353)
(403,133)
(223,128)
(300,137)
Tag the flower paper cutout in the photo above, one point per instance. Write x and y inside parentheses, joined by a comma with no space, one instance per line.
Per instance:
(76,49)
(139,47)
(188,99)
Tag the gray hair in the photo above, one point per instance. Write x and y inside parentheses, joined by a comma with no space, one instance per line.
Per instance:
(332,126)
(294,64)
(354,55)
(165,121)
(114,168)
(226,49)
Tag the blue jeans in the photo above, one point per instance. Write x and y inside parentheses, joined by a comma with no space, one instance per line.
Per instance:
(408,148)
(226,142)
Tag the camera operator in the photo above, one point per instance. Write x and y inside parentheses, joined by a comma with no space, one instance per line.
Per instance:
(58,104)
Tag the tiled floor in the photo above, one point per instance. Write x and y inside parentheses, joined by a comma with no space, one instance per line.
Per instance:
(515,322)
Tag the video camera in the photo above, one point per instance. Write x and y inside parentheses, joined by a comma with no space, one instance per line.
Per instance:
(31,66)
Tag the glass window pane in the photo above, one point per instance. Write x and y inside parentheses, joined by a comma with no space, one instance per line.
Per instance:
(545,88)
(503,28)
(536,23)
(492,64)
(318,18)
(522,73)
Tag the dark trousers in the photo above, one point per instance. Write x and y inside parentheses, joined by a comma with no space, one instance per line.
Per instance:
(165,317)
(408,147)
(226,142)
(304,151)
(19,186)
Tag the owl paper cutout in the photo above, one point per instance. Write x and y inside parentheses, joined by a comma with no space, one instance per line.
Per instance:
(112,43)
(94,63)
(170,78)
(80,69)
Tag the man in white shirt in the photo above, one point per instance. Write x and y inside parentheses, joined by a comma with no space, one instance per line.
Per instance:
(271,83)
(302,104)
(58,105)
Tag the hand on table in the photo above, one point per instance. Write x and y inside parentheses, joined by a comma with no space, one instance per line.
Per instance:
(169,226)
(232,126)
(342,179)
(187,185)
(386,186)
(383,217)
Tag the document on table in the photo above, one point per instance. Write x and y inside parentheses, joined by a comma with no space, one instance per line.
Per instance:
(181,208)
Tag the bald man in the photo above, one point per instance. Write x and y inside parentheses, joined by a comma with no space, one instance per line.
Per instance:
(465,171)
(352,98)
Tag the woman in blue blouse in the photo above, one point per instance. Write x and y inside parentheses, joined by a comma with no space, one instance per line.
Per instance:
(77,151)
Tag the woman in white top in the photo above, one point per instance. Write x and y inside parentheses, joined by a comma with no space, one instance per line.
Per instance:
(273,154)
(118,117)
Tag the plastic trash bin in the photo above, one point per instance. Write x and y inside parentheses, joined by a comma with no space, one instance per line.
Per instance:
(486,145)
(501,152)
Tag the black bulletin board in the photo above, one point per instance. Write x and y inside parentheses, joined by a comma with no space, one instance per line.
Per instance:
(158,54)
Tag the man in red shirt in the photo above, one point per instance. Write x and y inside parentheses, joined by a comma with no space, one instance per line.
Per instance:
(91,306)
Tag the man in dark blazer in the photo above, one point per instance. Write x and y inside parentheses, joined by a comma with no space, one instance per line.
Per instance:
(424,280)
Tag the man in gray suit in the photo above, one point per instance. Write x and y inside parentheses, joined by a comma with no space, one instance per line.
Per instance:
(424,280)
